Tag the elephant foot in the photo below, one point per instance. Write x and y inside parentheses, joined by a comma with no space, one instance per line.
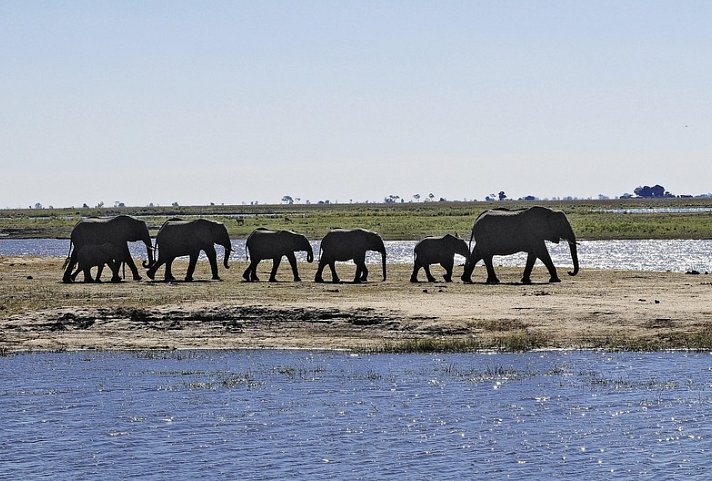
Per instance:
(246,276)
(216,278)
(272,279)
(319,280)
(447,279)
(297,279)
(465,279)
(526,280)
(493,280)
(188,278)
(414,280)
(151,274)
(88,280)
(115,280)
(357,281)
(169,279)
(554,279)
(67,279)
(431,279)
(137,277)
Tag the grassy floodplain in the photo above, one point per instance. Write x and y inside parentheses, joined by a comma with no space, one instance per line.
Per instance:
(591,219)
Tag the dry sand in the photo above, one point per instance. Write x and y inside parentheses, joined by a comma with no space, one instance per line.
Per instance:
(597,308)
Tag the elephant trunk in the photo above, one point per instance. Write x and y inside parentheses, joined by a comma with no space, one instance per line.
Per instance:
(227,256)
(310,252)
(149,252)
(574,257)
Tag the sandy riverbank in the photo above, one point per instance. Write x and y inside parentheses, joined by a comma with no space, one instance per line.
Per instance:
(615,309)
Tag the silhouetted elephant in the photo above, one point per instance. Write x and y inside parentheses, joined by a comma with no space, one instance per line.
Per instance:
(118,231)
(178,238)
(344,245)
(269,244)
(442,250)
(504,232)
(97,255)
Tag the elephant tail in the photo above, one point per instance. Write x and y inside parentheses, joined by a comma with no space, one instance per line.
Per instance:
(69,255)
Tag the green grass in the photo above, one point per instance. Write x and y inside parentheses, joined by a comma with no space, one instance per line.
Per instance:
(513,342)
(589,219)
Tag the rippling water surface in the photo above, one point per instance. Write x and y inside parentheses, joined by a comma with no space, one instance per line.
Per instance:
(324,415)
(652,255)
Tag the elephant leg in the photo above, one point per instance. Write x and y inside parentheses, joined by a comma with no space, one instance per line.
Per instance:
(319,270)
(491,276)
(546,259)
(213,259)
(474,258)
(361,271)
(151,272)
(168,276)
(428,274)
(448,266)
(129,262)
(293,262)
(114,266)
(334,277)
(191,267)
(416,268)
(526,277)
(275,265)
(68,277)
(250,273)
(87,275)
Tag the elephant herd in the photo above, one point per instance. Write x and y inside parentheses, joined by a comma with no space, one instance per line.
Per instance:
(96,242)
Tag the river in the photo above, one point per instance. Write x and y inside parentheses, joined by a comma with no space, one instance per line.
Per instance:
(678,255)
(186,415)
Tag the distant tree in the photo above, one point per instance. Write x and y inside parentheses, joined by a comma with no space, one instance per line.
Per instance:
(528,198)
(416,197)
(431,196)
(655,192)
(502,195)
(175,204)
(85,206)
(442,199)
(603,197)
(287,199)
(100,205)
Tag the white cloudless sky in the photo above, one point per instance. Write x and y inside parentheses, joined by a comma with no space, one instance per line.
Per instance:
(230,102)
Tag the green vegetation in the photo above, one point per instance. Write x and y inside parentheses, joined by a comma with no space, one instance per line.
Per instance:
(520,341)
(591,220)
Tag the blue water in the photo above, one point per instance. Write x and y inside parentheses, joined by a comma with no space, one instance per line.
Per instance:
(322,415)
(678,255)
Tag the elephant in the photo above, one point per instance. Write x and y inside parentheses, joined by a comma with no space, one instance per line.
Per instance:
(269,244)
(178,238)
(119,230)
(442,250)
(97,255)
(344,245)
(505,232)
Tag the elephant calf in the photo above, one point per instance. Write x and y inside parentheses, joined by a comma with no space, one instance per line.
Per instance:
(269,244)
(434,250)
(98,255)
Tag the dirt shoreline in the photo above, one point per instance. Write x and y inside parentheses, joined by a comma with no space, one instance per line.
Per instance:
(596,309)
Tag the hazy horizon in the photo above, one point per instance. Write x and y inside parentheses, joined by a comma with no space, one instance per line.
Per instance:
(231,102)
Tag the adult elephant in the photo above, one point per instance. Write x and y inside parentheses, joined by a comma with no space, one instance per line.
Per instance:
(344,245)
(438,250)
(270,244)
(504,232)
(178,238)
(119,230)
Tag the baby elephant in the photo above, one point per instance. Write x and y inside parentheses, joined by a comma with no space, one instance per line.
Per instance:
(97,255)
(442,250)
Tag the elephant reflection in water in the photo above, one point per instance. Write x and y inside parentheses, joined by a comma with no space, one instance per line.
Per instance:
(504,232)
(178,238)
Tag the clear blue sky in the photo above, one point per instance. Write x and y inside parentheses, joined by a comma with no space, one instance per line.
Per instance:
(225,102)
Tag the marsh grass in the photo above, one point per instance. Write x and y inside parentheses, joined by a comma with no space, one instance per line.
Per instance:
(520,341)
(590,219)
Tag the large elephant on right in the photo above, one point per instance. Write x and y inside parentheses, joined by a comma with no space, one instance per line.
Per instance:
(178,238)
(118,230)
(344,245)
(270,244)
(504,232)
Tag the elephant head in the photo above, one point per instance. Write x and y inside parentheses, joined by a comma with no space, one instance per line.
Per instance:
(458,245)
(374,242)
(136,230)
(221,237)
(560,228)
(303,244)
